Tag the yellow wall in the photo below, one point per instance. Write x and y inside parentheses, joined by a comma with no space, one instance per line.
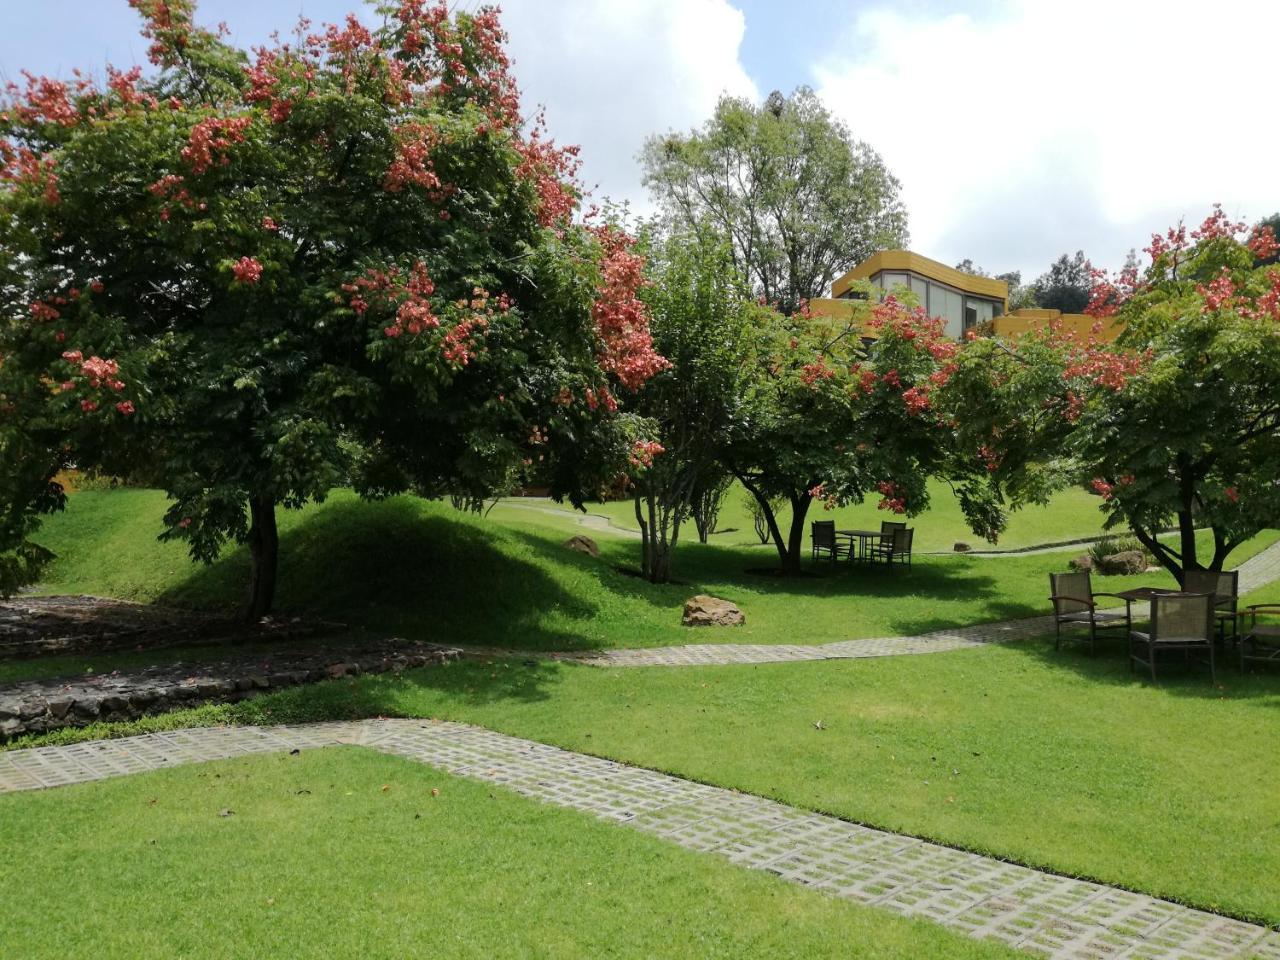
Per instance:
(1079,325)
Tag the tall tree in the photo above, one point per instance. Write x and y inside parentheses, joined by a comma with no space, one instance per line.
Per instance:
(968,266)
(800,199)
(247,279)
(1066,284)
(707,325)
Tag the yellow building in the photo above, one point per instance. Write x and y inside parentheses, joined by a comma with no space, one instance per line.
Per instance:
(963,301)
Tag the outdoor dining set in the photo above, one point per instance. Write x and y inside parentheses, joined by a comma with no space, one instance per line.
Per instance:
(891,544)
(1193,621)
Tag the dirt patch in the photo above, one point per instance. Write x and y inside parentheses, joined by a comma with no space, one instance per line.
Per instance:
(50,626)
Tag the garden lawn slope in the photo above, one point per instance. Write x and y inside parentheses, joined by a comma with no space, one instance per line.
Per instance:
(420,569)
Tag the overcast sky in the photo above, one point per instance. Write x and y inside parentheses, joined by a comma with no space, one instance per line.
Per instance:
(1020,129)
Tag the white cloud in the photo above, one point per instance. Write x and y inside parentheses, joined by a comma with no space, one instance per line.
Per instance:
(610,73)
(1050,126)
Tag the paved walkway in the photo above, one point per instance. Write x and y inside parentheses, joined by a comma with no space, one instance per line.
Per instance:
(1258,571)
(985,898)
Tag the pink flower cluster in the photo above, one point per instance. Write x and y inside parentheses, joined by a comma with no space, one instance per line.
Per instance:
(247,270)
(893,498)
(96,373)
(413,165)
(551,170)
(125,86)
(621,318)
(409,299)
(44,100)
(26,167)
(168,26)
(211,138)
(643,452)
(811,373)
(1262,242)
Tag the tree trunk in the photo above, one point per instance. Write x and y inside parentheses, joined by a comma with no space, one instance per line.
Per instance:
(795,538)
(1187,520)
(264,554)
(1167,557)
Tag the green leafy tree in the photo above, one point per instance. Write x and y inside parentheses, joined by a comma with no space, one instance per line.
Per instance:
(1066,284)
(799,198)
(250,278)
(1177,425)
(829,418)
(706,324)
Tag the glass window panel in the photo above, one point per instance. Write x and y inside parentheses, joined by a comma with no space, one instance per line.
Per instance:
(921,289)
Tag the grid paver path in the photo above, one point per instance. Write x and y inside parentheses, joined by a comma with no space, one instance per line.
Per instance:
(1257,571)
(1038,912)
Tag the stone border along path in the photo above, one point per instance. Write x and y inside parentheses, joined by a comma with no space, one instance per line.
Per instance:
(1039,912)
(35,706)
(1259,570)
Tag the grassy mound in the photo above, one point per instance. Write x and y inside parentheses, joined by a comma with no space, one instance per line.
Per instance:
(419,569)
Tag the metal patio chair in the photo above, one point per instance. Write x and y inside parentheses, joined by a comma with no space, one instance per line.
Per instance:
(1259,642)
(1179,621)
(1225,587)
(823,535)
(1075,605)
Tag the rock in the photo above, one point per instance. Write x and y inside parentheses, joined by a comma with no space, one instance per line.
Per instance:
(581,544)
(1125,563)
(962,548)
(60,706)
(705,611)
(10,728)
(1081,564)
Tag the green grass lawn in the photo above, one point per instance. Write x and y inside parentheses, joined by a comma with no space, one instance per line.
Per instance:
(1071,515)
(1055,759)
(419,569)
(345,853)
(1058,760)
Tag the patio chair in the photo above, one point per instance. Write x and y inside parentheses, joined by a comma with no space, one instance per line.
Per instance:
(823,535)
(1225,587)
(882,549)
(900,547)
(1259,642)
(1075,605)
(1179,621)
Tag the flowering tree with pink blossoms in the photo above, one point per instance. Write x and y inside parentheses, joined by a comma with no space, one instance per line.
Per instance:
(830,419)
(250,276)
(1177,424)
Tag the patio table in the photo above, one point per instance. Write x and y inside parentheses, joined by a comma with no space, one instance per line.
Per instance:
(863,537)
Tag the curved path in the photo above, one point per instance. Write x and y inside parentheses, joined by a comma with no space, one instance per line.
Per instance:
(592,521)
(1258,571)
(982,897)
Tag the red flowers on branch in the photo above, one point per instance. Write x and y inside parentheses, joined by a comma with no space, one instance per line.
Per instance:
(211,138)
(247,270)
(621,318)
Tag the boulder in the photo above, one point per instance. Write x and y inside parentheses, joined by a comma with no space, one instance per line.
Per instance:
(581,544)
(1081,564)
(962,548)
(1125,563)
(705,611)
